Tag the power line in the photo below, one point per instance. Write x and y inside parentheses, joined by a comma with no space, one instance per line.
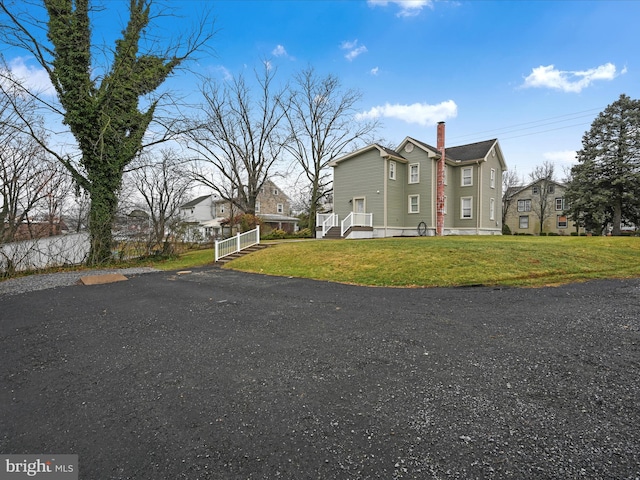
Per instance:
(532,125)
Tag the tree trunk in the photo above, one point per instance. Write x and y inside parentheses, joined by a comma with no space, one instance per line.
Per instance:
(104,202)
(617,217)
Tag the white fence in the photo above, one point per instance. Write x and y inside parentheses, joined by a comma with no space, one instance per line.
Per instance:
(356,220)
(237,243)
(47,252)
(327,220)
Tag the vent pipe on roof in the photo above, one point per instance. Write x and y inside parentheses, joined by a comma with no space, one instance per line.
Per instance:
(440,182)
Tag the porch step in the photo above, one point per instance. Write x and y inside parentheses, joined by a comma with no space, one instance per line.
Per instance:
(241,253)
(333,234)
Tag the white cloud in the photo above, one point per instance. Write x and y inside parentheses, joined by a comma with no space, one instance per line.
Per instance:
(374,71)
(346,45)
(226,74)
(354,49)
(33,78)
(421,113)
(569,81)
(279,51)
(408,8)
(562,156)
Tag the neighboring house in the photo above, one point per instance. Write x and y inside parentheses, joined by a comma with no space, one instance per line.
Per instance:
(273,207)
(538,199)
(206,215)
(202,217)
(379,192)
(40,229)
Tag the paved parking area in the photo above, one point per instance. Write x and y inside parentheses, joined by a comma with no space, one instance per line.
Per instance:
(220,374)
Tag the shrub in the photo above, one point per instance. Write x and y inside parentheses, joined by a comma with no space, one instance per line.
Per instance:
(276,235)
(506,230)
(304,233)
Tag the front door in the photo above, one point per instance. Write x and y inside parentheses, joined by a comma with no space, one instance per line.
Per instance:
(358,205)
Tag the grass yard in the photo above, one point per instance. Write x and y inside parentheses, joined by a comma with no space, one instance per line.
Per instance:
(451,261)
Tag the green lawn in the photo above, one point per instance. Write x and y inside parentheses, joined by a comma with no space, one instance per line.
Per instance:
(451,261)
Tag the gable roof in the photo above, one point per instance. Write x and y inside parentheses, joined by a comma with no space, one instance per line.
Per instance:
(513,191)
(384,152)
(195,201)
(471,151)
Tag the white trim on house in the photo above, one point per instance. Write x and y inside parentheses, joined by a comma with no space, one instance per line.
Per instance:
(411,205)
(464,177)
(411,179)
(463,208)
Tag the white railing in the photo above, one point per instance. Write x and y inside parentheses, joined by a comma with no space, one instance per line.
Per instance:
(237,243)
(327,220)
(356,220)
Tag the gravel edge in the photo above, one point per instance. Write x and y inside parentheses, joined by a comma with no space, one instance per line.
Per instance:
(31,283)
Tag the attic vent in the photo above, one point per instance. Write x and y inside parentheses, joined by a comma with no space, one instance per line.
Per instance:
(408,147)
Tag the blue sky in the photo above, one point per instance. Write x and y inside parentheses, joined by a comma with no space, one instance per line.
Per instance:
(533,74)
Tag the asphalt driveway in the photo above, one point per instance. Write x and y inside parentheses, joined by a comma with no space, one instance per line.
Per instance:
(225,375)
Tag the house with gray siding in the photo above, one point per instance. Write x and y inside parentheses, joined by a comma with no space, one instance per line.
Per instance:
(542,199)
(382,192)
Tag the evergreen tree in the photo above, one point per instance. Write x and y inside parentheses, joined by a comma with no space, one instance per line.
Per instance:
(605,184)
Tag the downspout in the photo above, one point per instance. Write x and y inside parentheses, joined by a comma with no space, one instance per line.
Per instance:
(479,207)
(384,194)
(440,182)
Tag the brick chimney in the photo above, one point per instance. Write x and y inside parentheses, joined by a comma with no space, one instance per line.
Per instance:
(440,182)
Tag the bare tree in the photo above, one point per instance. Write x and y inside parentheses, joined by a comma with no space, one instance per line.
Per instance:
(240,137)
(163,186)
(26,174)
(543,183)
(510,183)
(323,125)
(108,109)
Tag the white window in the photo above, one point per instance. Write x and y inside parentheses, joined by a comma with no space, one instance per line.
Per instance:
(492,209)
(467,176)
(466,207)
(559,203)
(414,173)
(524,205)
(414,203)
(280,208)
(257,207)
(493,178)
(536,190)
(562,221)
(524,222)
(392,170)
(275,191)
